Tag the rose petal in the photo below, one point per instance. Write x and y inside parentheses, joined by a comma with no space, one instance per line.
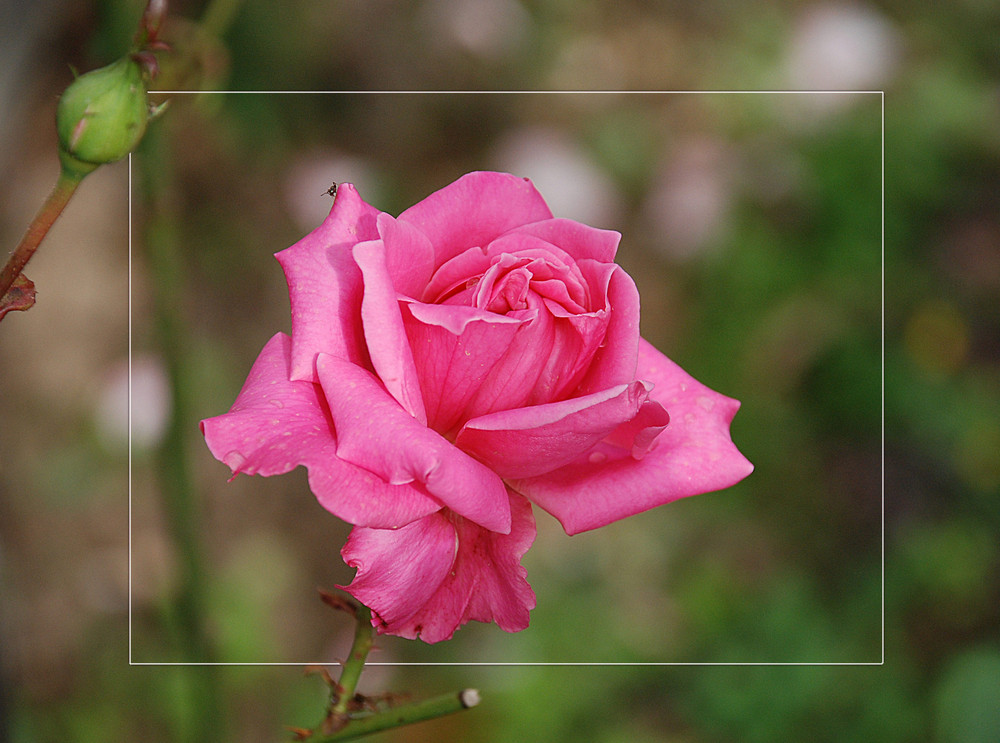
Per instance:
(574,342)
(546,262)
(531,441)
(615,361)
(374,432)
(487,579)
(409,256)
(454,275)
(638,435)
(276,425)
(503,287)
(513,379)
(455,349)
(597,278)
(399,569)
(431,577)
(474,210)
(579,240)
(388,345)
(693,455)
(324,285)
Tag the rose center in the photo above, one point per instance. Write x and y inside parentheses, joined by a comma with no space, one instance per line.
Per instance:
(504,287)
(507,285)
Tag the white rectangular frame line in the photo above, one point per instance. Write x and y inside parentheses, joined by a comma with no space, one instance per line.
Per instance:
(880,93)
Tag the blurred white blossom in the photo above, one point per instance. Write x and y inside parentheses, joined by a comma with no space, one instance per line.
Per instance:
(151,400)
(487,28)
(840,46)
(688,204)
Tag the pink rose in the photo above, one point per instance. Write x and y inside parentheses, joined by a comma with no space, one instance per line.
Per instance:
(450,365)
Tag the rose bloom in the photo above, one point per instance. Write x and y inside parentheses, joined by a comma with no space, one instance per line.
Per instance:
(452,366)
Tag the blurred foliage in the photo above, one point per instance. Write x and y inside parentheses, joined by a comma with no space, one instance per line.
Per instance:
(753,227)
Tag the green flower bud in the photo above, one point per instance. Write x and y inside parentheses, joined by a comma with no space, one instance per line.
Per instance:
(102,116)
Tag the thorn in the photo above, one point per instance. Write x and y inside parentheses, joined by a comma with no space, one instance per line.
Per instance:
(386,699)
(156,109)
(322,673)
(334,722)
(147,61)
(338,602)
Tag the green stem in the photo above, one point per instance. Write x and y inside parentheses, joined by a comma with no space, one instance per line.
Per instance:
(404,714)
(39,227)
(178,493)
(349,727)
(364,637)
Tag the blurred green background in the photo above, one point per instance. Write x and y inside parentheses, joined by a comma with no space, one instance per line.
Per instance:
(752,225)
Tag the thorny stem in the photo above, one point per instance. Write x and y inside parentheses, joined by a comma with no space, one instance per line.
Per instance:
(404,714)
(149,26)
(341,724)
(70,176)
(39,227)
(355,663)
